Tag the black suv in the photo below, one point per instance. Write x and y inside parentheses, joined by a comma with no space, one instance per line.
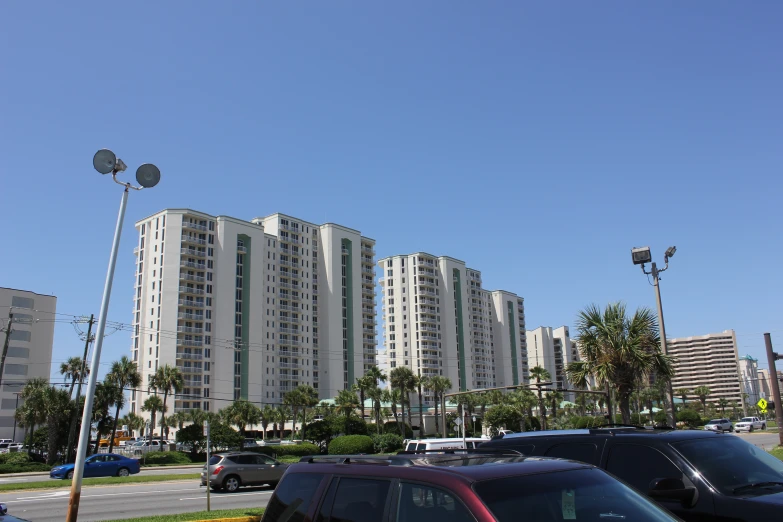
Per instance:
(485,487)
(697,475)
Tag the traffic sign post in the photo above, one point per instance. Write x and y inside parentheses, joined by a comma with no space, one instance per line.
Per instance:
(209,487)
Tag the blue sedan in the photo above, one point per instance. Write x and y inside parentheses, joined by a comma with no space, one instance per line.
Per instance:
(103,465)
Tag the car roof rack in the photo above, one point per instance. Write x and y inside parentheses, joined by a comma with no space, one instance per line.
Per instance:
(493,452)
(407,455)
(346,459)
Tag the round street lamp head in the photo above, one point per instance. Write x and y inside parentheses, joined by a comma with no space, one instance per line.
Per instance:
(148,175)
(104,161)
(670,251)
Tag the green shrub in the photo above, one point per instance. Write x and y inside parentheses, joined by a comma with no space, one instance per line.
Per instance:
(27,467)
(587,421)
(690,418)
(283,450)
(15,458)
(162,458)
(351,445)
(387,442)
(394,427)
(350,426)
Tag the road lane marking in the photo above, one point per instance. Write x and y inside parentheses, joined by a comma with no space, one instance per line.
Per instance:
(232,495)
(58,495)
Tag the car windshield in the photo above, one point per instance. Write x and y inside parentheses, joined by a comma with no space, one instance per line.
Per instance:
(585,495)
(747,419)
(732,465)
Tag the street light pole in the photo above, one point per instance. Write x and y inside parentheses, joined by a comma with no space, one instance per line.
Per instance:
(148,176)
(641,256)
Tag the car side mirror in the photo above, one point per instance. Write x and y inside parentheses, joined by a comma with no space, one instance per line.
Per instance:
(3,509)
(673,489)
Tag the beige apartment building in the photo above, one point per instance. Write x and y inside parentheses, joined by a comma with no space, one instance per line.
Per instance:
(29,349)
(707,360)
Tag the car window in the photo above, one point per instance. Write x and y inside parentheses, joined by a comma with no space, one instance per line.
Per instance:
(214,459)
(292,497)
(421,446)
(584,495)
(112,458)
(263,459)
(639,465)
(582,452)
(422,503)
(359,500)
(244,459)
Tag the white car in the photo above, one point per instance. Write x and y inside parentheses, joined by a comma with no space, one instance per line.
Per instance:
(750,424)
(721,425)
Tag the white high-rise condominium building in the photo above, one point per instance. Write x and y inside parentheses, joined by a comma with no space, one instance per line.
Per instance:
(438,320)
(707,360)
(749,378)
(29,349)
(553,350)
(251,309)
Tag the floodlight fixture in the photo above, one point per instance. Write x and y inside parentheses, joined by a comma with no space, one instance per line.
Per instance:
(670,252)
(148,175)
(641,255)
(104,161)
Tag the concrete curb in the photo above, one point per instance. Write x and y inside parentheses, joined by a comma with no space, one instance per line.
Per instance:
(46,473)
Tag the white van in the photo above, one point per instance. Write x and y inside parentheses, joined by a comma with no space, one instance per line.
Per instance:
(443,444)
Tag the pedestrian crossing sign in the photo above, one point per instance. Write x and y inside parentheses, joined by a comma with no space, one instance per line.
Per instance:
(762,404)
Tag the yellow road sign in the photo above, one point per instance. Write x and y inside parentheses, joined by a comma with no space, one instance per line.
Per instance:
(764,411)
(762,404)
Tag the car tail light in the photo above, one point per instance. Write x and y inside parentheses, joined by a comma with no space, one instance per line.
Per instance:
(217,470)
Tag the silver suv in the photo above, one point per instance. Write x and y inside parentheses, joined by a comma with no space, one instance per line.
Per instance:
(230,471)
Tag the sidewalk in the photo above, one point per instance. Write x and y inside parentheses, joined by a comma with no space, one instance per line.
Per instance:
(45,474)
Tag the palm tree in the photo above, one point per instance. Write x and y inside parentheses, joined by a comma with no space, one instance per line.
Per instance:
(72,369)
(402,378)
(420,381)
(439,385)
(153,404)
(582,402)
(33,410)
(683,394)
(134,422)
(734,408)
(57,406)
(376,375)
(308,398)
(362,385)
(293,400)
(647,396)
(267,416)
(106,396)
(240,414)
(723,403)
(555,397)
(521,401)
(166,379)
(376,395)
(123,374)
(702,392)
(346,402)
(618,351)
(540,373)
(392,396)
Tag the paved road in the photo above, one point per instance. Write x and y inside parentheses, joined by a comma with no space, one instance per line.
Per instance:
(132,500)
(145,471)
(766,440)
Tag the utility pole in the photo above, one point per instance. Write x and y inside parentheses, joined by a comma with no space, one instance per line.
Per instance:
(777,399)
(74,416)
(5,344)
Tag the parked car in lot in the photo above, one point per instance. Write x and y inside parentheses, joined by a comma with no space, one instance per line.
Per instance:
(102,465)
(695,474)
(230,471)
(454,488)
(750,424)
(721,425)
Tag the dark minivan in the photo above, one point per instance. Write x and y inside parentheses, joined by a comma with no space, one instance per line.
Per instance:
(697,475)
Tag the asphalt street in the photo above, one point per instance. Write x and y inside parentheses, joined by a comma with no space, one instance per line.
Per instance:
(132,500)
(38,477)
(766,440)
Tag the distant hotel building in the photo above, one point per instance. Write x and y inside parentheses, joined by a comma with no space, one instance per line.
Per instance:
(707,360)
(553,350)
(749,378)
(438,320)
(251,309)
(29,349)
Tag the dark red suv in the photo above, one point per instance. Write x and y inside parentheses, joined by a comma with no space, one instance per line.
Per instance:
(454,488)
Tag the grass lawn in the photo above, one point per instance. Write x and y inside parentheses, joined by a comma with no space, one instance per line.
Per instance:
(133,479)
(777,452)
(199,515)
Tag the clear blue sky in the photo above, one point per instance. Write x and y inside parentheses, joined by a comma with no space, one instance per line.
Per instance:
(538,142)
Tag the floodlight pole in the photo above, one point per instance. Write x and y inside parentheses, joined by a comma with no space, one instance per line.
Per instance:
(84,436)
(671,415)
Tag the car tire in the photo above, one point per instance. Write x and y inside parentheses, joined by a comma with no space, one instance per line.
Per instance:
(69,475)
(750,430)
(123,472)
(231,483)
